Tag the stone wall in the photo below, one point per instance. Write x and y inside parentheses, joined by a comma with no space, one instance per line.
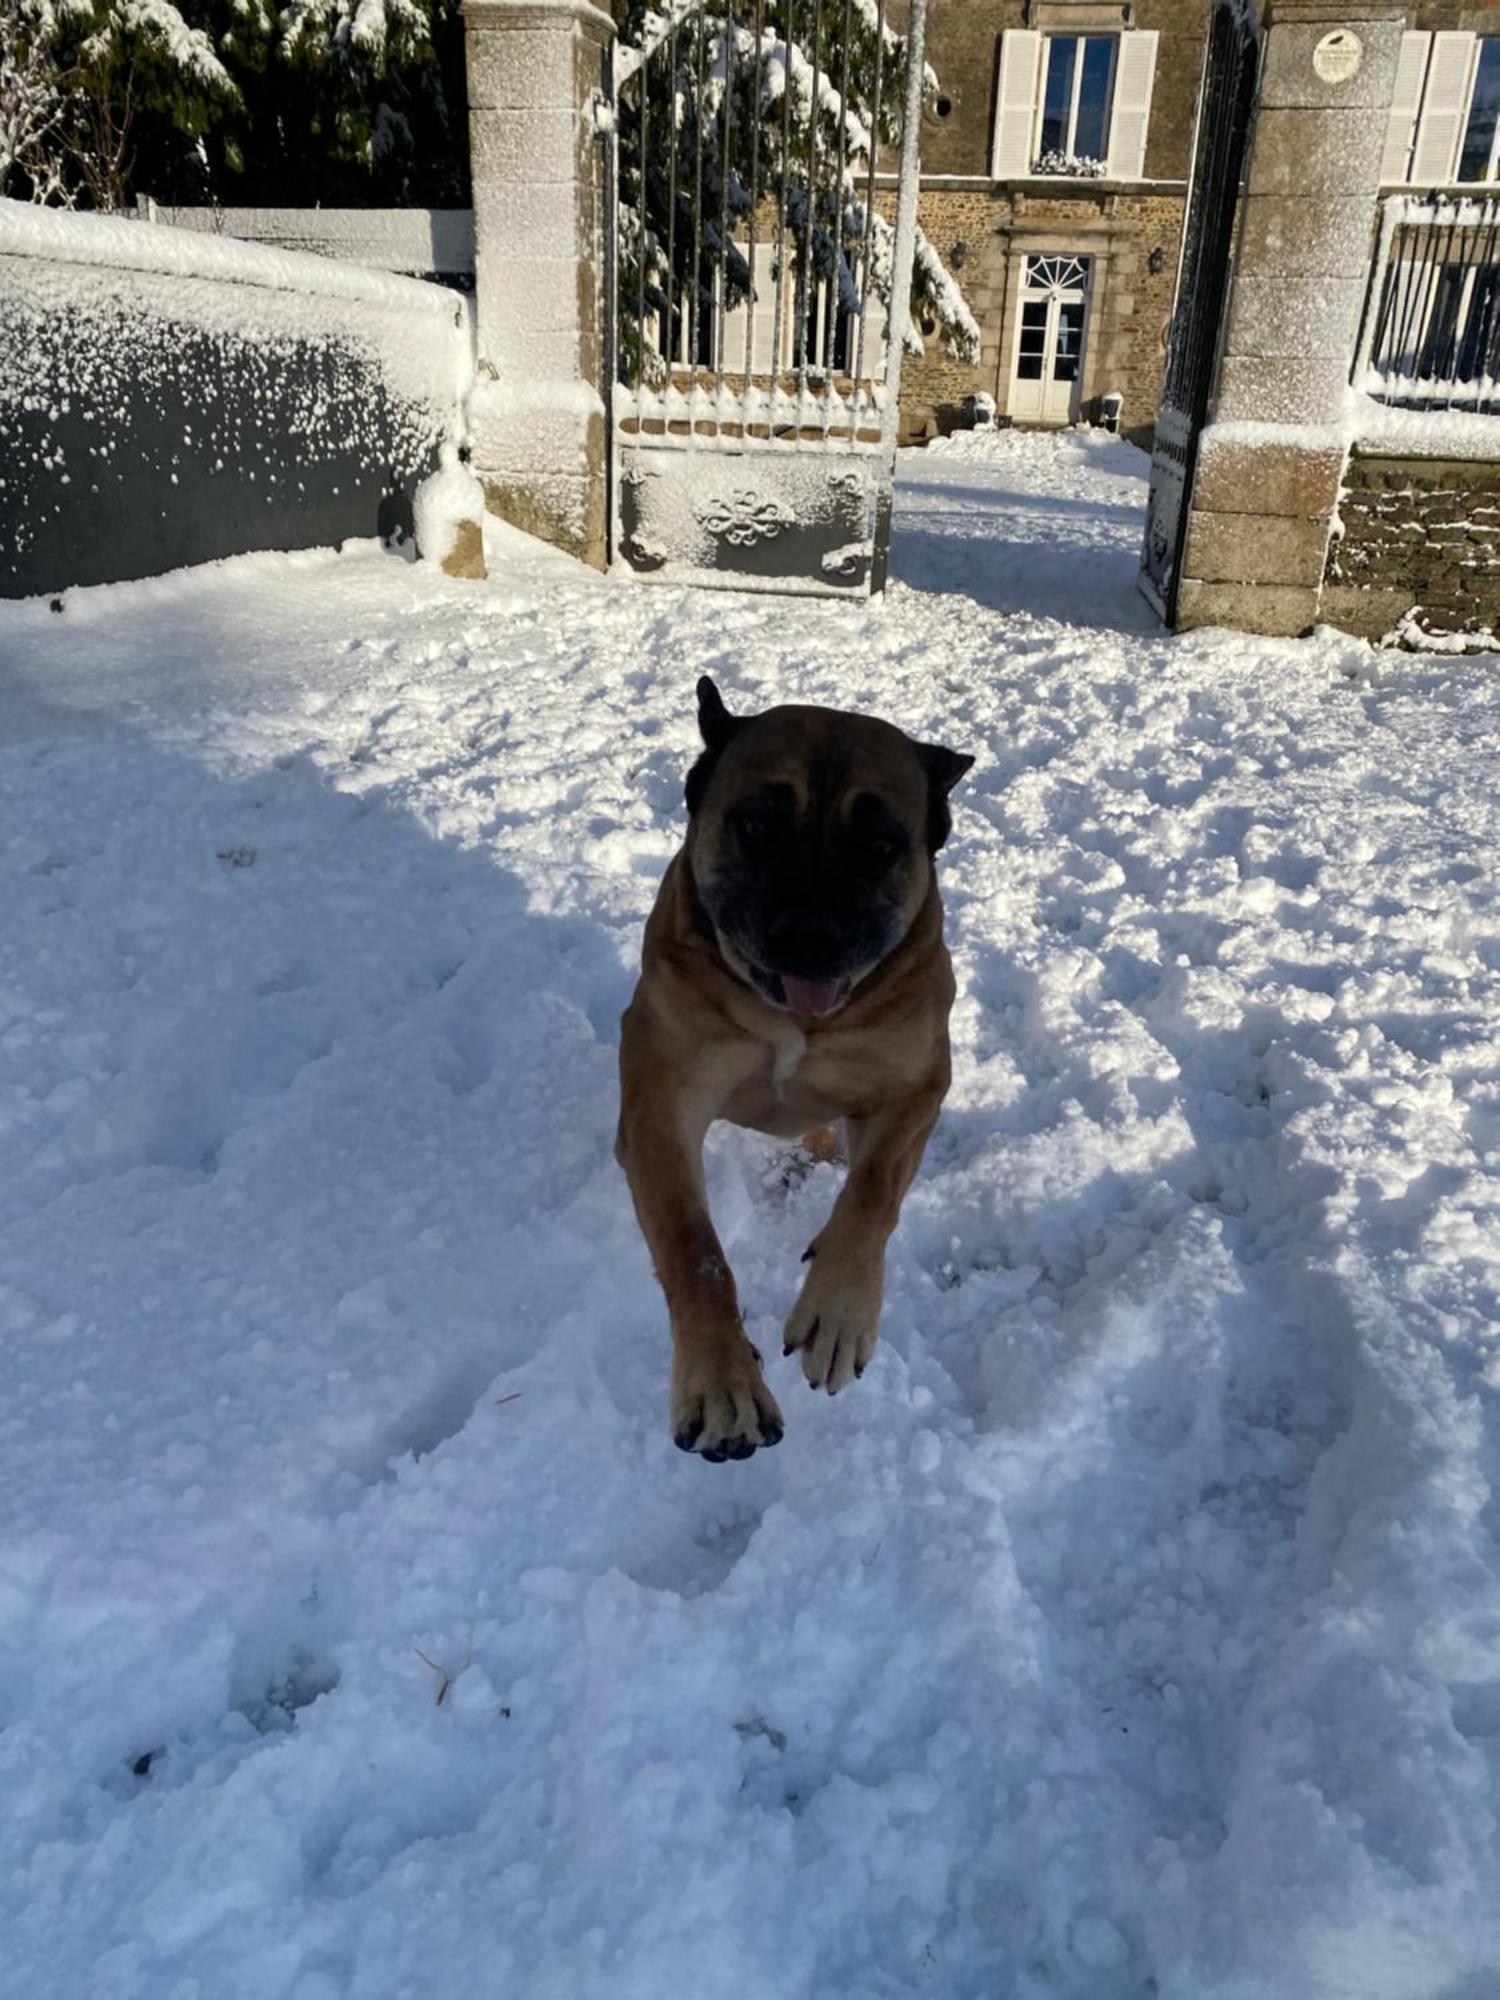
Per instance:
(1130,305)
(1417,533)
(963,49)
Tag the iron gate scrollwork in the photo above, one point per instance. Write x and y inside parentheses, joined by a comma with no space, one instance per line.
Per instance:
(1225,102)
(760,294)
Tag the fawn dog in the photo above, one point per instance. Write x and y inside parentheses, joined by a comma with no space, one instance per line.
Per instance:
(793,972)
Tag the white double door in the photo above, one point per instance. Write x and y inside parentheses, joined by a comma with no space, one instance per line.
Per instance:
(1047,373)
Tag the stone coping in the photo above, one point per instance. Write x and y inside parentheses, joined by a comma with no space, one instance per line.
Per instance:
(1065,186)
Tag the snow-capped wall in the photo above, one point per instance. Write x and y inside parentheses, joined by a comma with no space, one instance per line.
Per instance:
(171,397)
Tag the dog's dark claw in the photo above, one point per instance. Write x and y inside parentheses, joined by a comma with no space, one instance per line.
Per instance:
(739,1448)
(686,1438)
(809,1253)
(716,1454)
(759,1358)
(859,1369)
(770,1432)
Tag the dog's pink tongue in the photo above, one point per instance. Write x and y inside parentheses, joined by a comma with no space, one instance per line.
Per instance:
(810,996)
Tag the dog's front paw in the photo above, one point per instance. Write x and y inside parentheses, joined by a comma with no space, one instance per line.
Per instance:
(721,1407)
(836,1320)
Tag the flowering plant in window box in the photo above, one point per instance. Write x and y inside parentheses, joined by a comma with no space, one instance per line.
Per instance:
(1072,166)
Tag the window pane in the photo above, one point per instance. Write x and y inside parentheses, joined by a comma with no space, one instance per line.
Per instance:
(1033,340)
(1091,137)
(1479,138)
(1069,343)
(1058,103)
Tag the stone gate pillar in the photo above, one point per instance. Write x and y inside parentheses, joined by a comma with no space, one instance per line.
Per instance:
(536,70)
(1271,458)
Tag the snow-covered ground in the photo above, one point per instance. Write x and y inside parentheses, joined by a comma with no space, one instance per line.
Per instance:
(1132,1629)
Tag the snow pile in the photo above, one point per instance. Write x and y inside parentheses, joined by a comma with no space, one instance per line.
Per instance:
(1129,1630)
(442,503)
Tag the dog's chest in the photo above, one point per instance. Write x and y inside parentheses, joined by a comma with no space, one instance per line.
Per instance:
(787,1057)
(796,1090)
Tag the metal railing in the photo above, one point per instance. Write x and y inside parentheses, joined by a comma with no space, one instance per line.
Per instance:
(1431,337)
(753,265)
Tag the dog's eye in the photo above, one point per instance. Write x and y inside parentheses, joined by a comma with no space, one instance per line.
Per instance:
(883,849)
(754,827)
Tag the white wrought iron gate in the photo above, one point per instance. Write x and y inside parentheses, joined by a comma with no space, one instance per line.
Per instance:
(761,290)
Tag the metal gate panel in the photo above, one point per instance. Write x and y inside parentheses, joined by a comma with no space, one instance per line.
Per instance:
(760,299)
(1225,102)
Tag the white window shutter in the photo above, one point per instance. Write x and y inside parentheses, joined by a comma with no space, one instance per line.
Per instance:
(1445,108)
(1401,125)
(1015,104)
(1135,72)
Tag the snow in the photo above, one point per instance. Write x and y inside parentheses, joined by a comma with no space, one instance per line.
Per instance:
(442,503)
(1364,420)
(1130,1629)
(112,242)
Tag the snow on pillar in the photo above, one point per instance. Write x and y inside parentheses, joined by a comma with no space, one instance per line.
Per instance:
(1271,458)
(536,70)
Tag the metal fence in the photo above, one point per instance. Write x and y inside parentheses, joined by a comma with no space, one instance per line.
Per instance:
(754,270)
(1431,339)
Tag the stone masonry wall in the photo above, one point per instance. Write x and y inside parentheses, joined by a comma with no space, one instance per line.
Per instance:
(1129,308)
(1417,532)
(963,49)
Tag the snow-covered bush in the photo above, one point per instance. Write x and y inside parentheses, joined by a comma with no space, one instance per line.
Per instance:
(1071,166)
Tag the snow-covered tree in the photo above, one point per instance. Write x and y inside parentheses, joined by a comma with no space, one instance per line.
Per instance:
(33,102)
(258,101)
(711,114)
(79,77)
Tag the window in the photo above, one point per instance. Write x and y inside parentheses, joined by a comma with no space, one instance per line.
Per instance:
(1076,98)
(1075,105)
(1477,160)
(1444,121)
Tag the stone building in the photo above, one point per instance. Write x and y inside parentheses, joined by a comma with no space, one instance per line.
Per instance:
(1054,168)
(1055,159)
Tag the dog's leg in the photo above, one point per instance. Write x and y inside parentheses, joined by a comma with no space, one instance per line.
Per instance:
(836,1319)
(721,1406)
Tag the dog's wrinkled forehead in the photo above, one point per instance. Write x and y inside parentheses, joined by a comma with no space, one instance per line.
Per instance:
(824,763)
(820,760)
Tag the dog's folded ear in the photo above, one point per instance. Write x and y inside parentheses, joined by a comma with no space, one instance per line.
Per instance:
(944,768)
(718,729)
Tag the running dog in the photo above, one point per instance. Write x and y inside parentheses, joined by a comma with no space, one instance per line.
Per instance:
(793,972)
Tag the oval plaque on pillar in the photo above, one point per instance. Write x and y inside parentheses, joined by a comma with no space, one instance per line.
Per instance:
(1337,57)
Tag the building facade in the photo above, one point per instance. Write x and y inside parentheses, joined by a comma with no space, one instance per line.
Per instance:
(1055,159)
(1054,169)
